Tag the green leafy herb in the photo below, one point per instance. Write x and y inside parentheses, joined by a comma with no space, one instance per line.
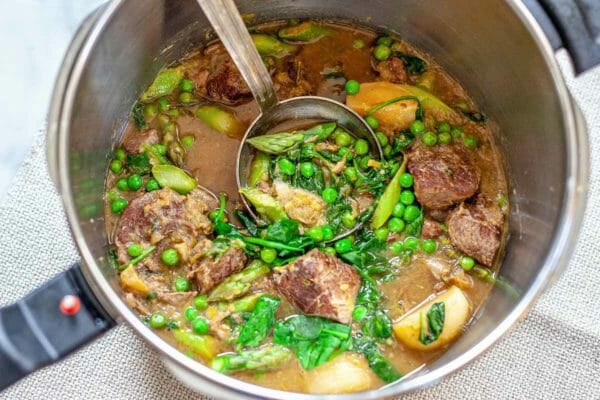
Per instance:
(245,219)
(378,363)
(139,163)
(432,324)
(401,142)
(283,231)
(414,65)
(256,329)
(315,340)
(138,115)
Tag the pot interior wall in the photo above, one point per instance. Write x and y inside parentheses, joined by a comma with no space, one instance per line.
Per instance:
(484,46)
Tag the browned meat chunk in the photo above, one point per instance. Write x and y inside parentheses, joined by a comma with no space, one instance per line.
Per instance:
(176,298)
(137,304)
(319,283)
(431,229)
(162,218)
(476,229)
(223,82)
(392,70)
(134,143)
(210,272)
(443,175)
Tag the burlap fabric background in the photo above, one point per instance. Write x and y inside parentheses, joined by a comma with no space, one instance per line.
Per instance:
(553,354)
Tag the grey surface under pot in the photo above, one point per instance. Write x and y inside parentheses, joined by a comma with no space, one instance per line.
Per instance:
(495,48)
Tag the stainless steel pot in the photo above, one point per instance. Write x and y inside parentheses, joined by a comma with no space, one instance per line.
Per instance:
(495,48)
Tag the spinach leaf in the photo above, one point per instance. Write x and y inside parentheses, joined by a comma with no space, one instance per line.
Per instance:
(378,363)
(335,212)
(256,329)
(315,183)
(432,324)
(401,142)
(414,65)
(139,163)
(138,115)
(315,340)
(475,116)
(247,221)
(283,231)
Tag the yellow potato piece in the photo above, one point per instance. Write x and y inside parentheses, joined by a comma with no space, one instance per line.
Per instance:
(131,281)
(397,116)
(348,372)
(457,309)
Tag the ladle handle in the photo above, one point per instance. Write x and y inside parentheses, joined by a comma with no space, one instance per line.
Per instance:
(227,22)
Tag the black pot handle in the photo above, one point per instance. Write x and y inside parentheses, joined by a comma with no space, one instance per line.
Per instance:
(44,326)
(572,24)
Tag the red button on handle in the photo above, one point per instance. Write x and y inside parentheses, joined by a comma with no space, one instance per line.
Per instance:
(70,305)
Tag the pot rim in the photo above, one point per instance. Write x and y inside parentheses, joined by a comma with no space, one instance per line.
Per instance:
(214,383)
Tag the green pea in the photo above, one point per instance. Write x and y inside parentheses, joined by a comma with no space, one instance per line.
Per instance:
(200,326)
(385,41)
(170,257)
(358,44)
(150,111)
(348,220)
(307,169)
(134,250)
(372,121)
(343,245)
(406,180)
(398,210)
(182,284)
(429,139)
(396,224)
(382,52)
(359,313)
(116,166)
(329,250)
(343,151)
(329,195)
(407,197)
(387,151)
(396,248)
(411,213)
(191,313)
(120,154)
(443,127)
(286,167)
(361,147)
(411,243)
(122,184)
(456,132)
(169,127)
(188,141)
(467,263)
(382,233)
(343,139)
(163,104)
(445,138)
(152,184)
(158,320)
(363,163)
(118,205)
(417,127)
(315,233)
(160,149)
(268,255)
(134,182)
(201,302)
(352,87)
(470,141)
(327,232)
(186,85)
(382,138)
(185,97)
(429,246)
(351,174)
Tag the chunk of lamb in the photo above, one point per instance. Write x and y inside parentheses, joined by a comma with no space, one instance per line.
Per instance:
(392,70)
(165,219)
(431,229)
(443,175)
(476,229)
(136,142)
(300,204)
(224,82)
(319,283)
(212,271)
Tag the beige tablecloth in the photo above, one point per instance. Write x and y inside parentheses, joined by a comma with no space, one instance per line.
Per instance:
(553,354)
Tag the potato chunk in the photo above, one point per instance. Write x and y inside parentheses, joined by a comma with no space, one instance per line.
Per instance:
(457,310)
(131,281)
(348,372)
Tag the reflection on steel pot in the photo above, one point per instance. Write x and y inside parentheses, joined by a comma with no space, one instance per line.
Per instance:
(517,82)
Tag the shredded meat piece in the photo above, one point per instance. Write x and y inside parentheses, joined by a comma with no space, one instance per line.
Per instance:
(321,284)
(210,272)
(223,81)
(137,304)
(476,229)
(176,298)
(392,70)
(135,143)
(431,229)
(301,205)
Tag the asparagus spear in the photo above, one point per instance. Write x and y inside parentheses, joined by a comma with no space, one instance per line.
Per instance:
(303,32)
(282,142)
(263,359)
(267,206)
(165,82)
(220,120)
(238,284)
(270,46)
(256,329)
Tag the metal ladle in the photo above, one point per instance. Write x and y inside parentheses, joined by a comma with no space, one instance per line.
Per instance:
(229,26)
